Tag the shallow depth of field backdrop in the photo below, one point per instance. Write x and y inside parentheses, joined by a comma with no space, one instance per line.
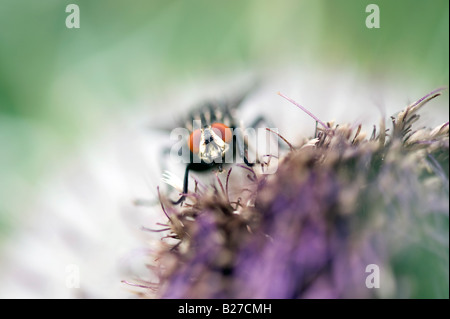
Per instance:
(59,87)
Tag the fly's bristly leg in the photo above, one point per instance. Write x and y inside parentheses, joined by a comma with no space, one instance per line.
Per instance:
(242,148)
(185,185)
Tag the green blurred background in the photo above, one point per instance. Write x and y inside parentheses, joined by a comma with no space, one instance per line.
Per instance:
(58,85)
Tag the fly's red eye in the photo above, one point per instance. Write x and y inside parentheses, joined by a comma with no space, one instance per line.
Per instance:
(194,141)
(223,131)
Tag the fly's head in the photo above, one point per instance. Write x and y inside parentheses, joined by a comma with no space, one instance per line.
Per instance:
(211,142)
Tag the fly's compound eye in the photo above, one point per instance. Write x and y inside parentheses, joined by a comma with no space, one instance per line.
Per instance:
(194,141)
(223,131)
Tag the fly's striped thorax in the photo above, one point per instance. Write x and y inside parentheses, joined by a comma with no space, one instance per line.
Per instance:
(209,113)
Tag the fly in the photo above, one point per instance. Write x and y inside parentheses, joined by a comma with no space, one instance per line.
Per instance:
(216,136)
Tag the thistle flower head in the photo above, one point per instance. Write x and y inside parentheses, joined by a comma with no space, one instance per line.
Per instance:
(337,203)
